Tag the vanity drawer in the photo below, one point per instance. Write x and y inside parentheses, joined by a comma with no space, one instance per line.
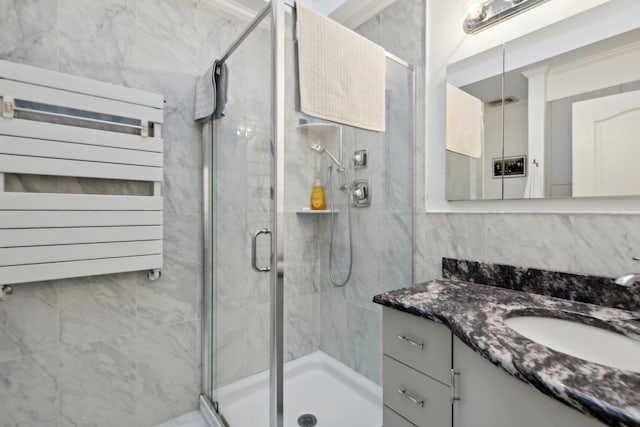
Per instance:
(402,385)
(391,419)
(422,344)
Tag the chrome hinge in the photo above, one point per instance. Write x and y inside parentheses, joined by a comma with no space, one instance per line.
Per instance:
(5,292)
(8,105)
(154,274)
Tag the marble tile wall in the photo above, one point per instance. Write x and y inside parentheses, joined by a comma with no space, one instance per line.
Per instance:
(301,232)
(350,324)
(116,349)
(601,245)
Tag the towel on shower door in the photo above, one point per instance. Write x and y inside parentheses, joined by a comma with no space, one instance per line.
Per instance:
(341,73)
(211,92)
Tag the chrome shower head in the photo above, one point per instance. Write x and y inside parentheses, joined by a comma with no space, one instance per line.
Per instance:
(317,147)
(320,149)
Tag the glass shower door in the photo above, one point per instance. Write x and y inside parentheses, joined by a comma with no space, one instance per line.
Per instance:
(328,326)
(242,217)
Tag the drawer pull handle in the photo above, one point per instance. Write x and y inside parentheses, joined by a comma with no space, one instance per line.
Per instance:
(403,392)
(410,341)
(453,397)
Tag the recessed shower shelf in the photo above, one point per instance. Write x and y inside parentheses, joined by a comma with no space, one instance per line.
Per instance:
(317,130)
(307,211)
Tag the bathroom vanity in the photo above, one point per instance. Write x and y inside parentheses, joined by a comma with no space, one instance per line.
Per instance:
(483,395)
(451,359)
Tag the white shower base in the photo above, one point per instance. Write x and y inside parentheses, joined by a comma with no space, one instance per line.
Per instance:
(191,419)
(316,384)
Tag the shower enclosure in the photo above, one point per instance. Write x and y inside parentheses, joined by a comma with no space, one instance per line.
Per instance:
(283,346)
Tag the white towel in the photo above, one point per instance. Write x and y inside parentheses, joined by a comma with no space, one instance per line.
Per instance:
(464,122)
(341,73)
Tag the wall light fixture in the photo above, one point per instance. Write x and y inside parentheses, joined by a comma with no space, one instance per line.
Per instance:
(486,13)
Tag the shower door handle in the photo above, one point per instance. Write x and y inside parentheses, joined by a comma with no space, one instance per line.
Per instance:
(254,257)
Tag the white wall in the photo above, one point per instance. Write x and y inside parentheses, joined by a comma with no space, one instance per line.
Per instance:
(447,43)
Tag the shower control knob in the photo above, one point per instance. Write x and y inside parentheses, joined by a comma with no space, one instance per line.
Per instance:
(359,159)
(361,195)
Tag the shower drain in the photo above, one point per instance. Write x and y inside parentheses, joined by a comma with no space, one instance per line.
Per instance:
(307,420)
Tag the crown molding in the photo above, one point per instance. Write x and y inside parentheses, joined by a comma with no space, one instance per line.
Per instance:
(353,13)
(232,8)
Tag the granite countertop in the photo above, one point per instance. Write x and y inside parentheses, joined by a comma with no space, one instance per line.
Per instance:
(475,313)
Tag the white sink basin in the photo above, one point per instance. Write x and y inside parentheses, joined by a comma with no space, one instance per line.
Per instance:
(580,340)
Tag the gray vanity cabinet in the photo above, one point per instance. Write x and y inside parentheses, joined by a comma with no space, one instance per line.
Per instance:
(391,418)
(418,358)
(416,368)
(490,397)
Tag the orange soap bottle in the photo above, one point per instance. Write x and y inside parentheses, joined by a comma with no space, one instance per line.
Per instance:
(318,201)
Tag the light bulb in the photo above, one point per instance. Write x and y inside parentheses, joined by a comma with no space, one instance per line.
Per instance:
(476,12)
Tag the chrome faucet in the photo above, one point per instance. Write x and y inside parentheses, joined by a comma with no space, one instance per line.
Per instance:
(629,280)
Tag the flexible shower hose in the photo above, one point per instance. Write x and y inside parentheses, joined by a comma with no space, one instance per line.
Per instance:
(346,192)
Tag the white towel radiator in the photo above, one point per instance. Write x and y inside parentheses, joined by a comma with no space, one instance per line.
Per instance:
(60,125)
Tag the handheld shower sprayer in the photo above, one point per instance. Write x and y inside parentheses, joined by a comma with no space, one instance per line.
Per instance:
(344,186)
(320,149)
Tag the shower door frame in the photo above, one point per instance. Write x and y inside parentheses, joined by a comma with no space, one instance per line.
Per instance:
(276,300)
(276,311)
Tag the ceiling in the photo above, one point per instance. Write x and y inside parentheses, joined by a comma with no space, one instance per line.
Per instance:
(350,13)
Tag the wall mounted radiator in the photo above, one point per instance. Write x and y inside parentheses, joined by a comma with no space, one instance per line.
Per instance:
(59,125)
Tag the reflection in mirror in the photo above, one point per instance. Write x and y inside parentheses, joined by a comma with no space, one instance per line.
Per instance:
(571,120)
(474,129)
(583,114)
(516,117)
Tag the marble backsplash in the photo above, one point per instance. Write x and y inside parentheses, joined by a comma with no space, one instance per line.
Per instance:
(575,287)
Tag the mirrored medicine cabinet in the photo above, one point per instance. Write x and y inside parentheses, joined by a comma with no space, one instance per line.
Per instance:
(566,125)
